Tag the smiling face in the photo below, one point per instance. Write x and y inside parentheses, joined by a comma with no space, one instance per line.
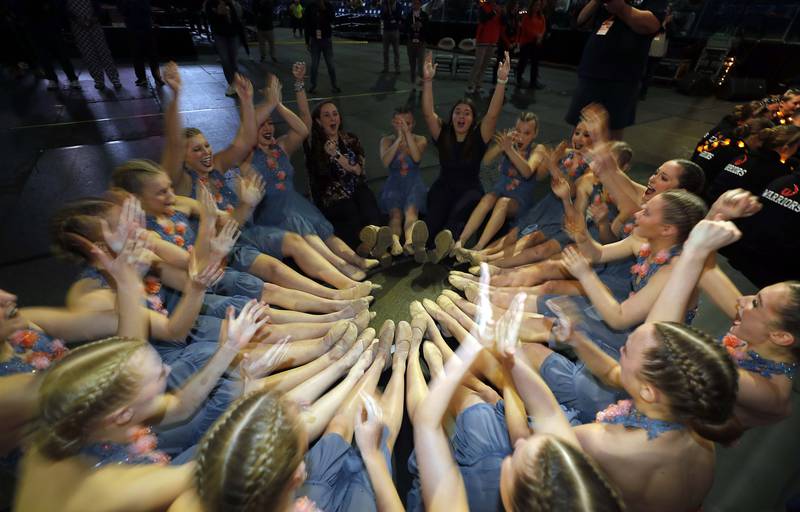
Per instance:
(157,196)
(329,120)
(199,155)
(649,222)
(790,105)
(266,133)
(666,177)
(462,118)
(580,138)
(525,132)
(757,315)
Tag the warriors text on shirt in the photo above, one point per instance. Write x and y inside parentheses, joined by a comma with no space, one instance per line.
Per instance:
(781,200)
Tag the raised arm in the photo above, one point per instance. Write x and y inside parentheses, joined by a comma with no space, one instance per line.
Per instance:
(246,135)
(298,130)
(174,146)
(416,143)
(433,121)
(587,12)
(489,122)
(526,167)
(640,21)
(368,432)
(389,149)
(299,73)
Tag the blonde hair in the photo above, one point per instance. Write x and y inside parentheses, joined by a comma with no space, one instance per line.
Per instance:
(132,175)
(87,384)
(247,458)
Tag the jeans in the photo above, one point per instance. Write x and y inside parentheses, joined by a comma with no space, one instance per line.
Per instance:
(324,47)
(391,37)
(228,48)
(416,57)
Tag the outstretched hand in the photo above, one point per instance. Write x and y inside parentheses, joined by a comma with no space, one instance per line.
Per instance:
(171,75)
(595,117)
(222,243)
(243,86)
(504,69)
(240,330)
(131,219)
(253,367)
(299,71)
(131,262)
(272,92)
(575,262)
(251,188)
(206,275)
(369,424)
(429,68)
(208,207)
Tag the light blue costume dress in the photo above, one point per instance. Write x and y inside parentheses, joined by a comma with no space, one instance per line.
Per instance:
(547,215)
(404,187)
(571,382)
(514,185)
(255,239)
(282,206)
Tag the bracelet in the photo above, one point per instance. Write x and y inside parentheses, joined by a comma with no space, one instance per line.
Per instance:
(427,79)
(502,82)
(299,86)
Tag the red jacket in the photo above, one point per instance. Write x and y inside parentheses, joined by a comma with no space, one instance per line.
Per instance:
(489,25)
(531,28)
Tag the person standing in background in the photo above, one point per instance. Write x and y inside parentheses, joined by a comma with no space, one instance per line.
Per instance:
(416,24)
(508,34)
(139,23)
(319,40)
(489,26)
(390,16)
(223,17)
(263,10)
(296,17)
(533,26)
(44,19)
(91,42)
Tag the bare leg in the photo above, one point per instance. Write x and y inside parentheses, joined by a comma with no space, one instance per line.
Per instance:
(392,400)
(345,267)
(411,216)
(274,271)
(476,218)
(299,331)
(284,316)
(313,264)
(344,251)
(301,301)
(416,388)
(531,275)
(396,225)
(500,297)
(504,208)
(530,255)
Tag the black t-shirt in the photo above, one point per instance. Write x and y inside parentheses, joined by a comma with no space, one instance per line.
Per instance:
(263,13)
(752,172)
(621,54)
(461,161)
(417,27)
(713,159)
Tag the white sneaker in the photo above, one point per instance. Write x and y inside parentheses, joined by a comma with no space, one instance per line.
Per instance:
(52,85)
(231,91)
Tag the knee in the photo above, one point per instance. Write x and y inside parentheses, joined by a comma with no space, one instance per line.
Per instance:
(502,204)
(292,242)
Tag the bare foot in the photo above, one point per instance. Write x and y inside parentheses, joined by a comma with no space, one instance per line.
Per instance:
(433,358)
(370,263)
(415,308)
(386,336)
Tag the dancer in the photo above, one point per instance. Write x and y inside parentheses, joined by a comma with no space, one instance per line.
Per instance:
(520,166)
(335,162)
(403,194)
(462,142)
(282,205)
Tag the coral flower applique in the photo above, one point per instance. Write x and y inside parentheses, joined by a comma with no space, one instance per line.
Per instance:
(25,338)
(281,175)
(180,228)
(280,186)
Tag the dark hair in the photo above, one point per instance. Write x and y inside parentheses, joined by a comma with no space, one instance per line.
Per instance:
(448,133)
(90,381)
(779,136)
(698,377)
(683,210)
(693,178)
(752,126)
(75,220)
(402,110)
(789,313)
(550,482)
(249,455)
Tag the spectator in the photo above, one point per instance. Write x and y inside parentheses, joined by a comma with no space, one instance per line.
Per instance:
(91,42)
(44,20)
(296,17)
(489,26)
(614,58)
(319,39)
(533,26)
(390,16)
(508,34)
(138,21)
(263,10)
(223,16)
(417,30)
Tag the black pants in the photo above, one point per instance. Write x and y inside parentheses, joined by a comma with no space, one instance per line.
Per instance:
(528,54)
(143,46)
(450,205)
(49,46)
(348,216)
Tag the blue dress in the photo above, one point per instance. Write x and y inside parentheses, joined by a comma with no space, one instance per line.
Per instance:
(548,214)
(514,185)
(404,187)
(283,206)
(254,239)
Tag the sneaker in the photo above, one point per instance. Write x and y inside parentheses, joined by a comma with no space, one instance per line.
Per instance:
(52,85)
(230,91)
(336,89)
(74,84)
(141,83)
(100,86)
(117,84)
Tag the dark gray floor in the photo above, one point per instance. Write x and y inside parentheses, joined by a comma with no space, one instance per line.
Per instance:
(62,145)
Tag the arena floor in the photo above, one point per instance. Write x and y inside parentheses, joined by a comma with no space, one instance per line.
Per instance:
(59,146)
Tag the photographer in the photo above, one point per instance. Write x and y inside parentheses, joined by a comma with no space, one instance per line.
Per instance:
(615,56)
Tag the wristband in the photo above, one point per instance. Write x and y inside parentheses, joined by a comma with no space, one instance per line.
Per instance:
(299,86)
(502,82)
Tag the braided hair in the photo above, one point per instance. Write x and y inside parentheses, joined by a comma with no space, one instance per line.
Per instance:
(90,382)
(561,477)
(697,376)
(247,458)
(683,210)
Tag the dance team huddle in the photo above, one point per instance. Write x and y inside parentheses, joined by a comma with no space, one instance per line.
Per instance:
(192,369)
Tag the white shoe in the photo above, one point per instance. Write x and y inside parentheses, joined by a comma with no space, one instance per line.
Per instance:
(230,91)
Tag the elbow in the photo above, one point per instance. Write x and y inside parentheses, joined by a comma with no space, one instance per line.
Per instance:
(619,323)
